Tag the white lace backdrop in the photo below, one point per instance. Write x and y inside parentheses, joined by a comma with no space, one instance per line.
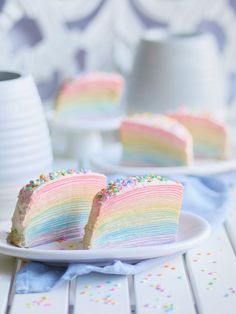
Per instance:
(55,39)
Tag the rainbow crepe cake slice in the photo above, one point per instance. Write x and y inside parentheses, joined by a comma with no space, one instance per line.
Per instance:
(210,136)
(155,140)
(133,212)
(90,95)
(53,207)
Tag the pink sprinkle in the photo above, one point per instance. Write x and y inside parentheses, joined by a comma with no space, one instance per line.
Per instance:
(47,304)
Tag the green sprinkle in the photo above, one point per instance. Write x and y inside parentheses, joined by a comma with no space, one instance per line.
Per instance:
(163,179)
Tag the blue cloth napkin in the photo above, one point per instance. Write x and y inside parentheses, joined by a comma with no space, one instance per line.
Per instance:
(208,197)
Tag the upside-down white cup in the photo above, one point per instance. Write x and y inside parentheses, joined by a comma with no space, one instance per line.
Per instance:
(170,71)
(25,147)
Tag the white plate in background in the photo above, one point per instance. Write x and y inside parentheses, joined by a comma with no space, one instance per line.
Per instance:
(96,123)
(109,161)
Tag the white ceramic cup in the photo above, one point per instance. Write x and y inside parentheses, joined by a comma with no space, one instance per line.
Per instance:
(25,147)
(170,71)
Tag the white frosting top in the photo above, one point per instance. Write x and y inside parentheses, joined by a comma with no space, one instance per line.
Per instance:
(160,121)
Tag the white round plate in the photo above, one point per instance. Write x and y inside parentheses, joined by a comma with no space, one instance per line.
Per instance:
(85,124)
(192,231)
(109,161)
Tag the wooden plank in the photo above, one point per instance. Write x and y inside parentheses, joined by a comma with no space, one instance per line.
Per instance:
(53,302)
(212,270)
(6,271)
(230,226)
(164,289)
(99,293)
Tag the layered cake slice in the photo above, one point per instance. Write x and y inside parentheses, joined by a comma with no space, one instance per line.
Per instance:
(157,140)
(132,212)
(210,137)
(53,207)
(90,95)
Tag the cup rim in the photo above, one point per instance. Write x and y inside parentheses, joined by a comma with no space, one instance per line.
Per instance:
(14,77)
(9,76)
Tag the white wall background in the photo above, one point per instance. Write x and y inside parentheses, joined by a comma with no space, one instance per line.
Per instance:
(56,39)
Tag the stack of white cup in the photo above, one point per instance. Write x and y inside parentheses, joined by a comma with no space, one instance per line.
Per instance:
(177,70)
(25,148)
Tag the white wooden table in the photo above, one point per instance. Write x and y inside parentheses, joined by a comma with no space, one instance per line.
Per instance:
(201,281)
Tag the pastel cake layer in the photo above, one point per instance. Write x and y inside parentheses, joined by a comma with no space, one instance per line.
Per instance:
(155,140)
(91,94)
(54,207)
(210,137)
(137,211)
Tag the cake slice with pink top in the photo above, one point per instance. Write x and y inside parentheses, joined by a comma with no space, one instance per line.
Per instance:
(155,140)
(132,212)
(210,136)
(53,207)
(90,95)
